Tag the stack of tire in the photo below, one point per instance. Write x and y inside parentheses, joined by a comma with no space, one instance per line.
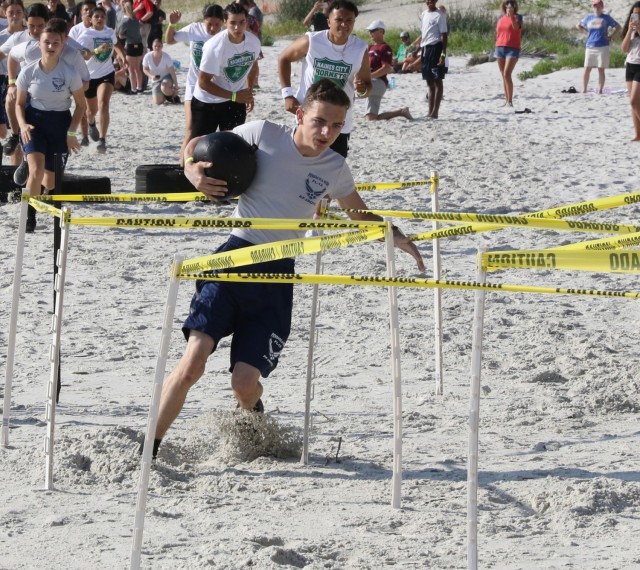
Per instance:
(161,179)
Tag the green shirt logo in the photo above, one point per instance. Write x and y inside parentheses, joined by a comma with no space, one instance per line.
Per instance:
(196,52)
(103,55)
(337,71)
(238,66)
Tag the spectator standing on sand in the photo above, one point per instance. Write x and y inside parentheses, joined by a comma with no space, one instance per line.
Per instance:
(380,58)
(433,41)
(631,46)
(508,44)
(129,31)
(196,34)
(318,17)
(334,54)
(597,52)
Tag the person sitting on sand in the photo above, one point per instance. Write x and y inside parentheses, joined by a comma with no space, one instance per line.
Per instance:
(380,57)
(405,49)
(597,51)
(258,315)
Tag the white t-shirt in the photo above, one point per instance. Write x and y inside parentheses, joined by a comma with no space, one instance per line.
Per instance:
(76,31)
(49,91)
(434,24)
(15,39)
(633,56)
(29,52)
(229,64)
(338,63)
(4,36)
(272,195)
(162,69)
(196,34)
(99,65)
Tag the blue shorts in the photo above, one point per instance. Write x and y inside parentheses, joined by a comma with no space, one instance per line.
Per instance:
(3,98)
(49,135)
(257,314)
(431,71)
(503,52)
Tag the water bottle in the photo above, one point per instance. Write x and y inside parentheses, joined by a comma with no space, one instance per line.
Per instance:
(392,83)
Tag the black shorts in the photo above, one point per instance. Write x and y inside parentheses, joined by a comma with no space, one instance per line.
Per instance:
(134,50)
(632,72)
(3,97)
(431,71)
(92,90)
(257,314)
(341,144)
(209,117)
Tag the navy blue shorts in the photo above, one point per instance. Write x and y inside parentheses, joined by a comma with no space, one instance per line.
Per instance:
(431,71)
(49,135)
(3,98)
(257,314)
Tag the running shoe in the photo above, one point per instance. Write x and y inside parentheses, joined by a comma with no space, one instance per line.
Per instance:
(21,174)
(11,145)
(84,141)
(258,408)
(93,132)
(102,146)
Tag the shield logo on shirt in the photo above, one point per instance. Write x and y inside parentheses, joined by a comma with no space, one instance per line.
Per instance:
(315,189)
(196,52)
(103,55)
(337,71)
(58,83)
(238,66)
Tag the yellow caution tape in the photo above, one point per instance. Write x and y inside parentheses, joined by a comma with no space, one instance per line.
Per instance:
(255,223)
(597,261)
(168,197)
(199,197)
(619,242)
(513,221)
(401,282)
(45,208)
(279,250)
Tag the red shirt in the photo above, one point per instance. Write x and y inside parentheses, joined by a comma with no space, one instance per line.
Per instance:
(147,7)
(379,54)
(506,36)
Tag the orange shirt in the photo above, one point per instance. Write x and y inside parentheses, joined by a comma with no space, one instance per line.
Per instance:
(506,36)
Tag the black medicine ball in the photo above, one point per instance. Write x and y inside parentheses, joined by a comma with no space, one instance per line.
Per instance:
(233,158)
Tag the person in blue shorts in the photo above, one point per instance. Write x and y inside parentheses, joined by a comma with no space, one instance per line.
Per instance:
(433,41)
(258,315)
(45,91)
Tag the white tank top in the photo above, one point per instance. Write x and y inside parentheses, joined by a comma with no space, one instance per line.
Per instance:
(338,63)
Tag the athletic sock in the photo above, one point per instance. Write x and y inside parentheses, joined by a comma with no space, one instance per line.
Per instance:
(156,445)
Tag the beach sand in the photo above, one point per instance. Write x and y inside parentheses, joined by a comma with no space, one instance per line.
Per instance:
(559,410)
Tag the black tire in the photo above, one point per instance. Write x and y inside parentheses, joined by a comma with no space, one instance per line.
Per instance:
(74,184)
(71,183)
(161,178)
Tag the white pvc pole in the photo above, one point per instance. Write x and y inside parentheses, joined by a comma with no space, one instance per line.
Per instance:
(437,292)
(396,480)
(304,460)
(13,321)
(54,351)
(147,452)
(474,421)
(315,311)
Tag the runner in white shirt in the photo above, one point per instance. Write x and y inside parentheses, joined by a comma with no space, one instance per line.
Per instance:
(228,70)
(196,34)
(102,42)
(335,54)
(85,13)
(158,66)
(47,127)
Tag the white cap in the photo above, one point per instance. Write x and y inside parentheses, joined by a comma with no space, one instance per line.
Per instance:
(376,25)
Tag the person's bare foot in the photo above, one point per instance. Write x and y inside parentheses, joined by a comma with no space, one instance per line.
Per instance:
(406,113)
